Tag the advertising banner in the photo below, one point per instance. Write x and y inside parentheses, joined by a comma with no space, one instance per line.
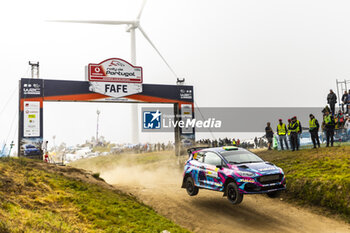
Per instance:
(31,119)
(30,128)
(114,70)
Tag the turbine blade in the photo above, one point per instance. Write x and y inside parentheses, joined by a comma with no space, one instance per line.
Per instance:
(142,6)
(155,48)
(94,21)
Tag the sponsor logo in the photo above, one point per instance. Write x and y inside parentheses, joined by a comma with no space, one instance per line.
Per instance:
(31,89)
(246,181)
(185,94)
(152,119)
(267,169)
(115,70)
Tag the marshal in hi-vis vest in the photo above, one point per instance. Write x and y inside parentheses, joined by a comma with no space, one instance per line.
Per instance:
(312,124)
(281,129)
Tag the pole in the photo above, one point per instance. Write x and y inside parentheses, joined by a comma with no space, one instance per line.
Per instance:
(134,109)
(338,92)
(98,114)
(11,145)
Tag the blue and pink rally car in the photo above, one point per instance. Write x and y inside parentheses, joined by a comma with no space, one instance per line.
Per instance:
(232,170)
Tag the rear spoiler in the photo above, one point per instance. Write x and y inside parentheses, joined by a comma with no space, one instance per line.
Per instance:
(191,150)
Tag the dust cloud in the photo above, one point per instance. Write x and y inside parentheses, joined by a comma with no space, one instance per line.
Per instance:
(141,175)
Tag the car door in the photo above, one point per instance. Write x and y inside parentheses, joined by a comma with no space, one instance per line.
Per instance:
(198,169)
(212,179)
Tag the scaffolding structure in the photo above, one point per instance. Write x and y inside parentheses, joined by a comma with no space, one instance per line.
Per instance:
(342,86)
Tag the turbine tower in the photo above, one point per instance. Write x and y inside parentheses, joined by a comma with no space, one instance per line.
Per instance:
(132,25)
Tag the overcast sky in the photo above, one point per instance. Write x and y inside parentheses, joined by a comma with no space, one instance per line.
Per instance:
(252,53)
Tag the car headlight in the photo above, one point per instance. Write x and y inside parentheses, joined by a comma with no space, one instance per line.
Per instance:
(244,173)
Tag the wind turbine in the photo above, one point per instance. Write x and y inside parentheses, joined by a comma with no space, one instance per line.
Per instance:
(132,25)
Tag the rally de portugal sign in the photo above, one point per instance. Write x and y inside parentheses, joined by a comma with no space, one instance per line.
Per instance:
(115,77)
(114,70)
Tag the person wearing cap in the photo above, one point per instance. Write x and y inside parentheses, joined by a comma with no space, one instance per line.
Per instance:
(314,126)
(293,127)
(329,127)
(269,135)
(282,131)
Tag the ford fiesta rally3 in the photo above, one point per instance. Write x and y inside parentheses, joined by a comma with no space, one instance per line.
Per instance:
(232,170)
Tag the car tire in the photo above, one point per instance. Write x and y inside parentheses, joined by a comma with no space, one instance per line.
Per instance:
(233,194)
(273,194)
(191,189)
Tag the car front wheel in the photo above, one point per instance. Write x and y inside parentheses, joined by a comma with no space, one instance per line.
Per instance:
(191,189)
(233,194)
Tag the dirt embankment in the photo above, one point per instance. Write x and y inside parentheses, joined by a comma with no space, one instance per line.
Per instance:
(158,184)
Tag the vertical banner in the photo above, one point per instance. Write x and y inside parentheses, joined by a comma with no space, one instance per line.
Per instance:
(30,130)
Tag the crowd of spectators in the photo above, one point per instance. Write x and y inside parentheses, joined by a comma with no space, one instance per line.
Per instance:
(257,142)
(345,102)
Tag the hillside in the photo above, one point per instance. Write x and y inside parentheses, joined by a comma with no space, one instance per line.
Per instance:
(316,176)
(159,187)
(38,197)
(319,177)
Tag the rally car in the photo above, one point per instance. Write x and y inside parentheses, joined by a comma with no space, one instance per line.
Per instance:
(232,170)
(31,150)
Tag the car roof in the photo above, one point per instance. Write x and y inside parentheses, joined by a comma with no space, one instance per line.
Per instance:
(222,149)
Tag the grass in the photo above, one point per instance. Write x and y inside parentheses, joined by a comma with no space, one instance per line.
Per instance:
(36,199)
(316,176)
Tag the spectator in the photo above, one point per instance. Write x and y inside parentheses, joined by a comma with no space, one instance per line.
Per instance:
(329,127)
(233,142)
(332,100)
(44,147)
(282,131)
(293,127)
(314,126)
(348,103)
(347,125)
(256,142)
(300,130)
(344,99)
(339,120)
(288,126)
(269,135)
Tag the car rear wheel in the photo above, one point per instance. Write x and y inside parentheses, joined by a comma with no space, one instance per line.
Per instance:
(233,194)
(191,189)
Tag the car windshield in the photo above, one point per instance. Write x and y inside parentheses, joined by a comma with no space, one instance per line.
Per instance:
(240,156)
(30,146)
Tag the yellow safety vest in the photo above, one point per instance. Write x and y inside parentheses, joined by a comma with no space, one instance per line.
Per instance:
(328,120)
(312,124)
(298,128)
(289,125)
(281,129)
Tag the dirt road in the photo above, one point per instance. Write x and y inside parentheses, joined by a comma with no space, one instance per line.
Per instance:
(159,186)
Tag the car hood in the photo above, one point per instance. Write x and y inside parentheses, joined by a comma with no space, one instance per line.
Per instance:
(263,168)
